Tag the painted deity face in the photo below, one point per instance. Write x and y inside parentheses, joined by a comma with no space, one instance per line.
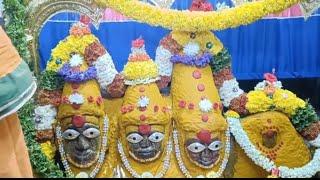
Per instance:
(145,142)
(81,144)
(203,149)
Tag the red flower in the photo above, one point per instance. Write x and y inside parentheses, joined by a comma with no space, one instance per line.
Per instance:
(130,108)
(156,108)
(205,118)
(124,110)
(138,43)
(99,101)
(204,136)
(78,121)
(145,129)
(90,99)
(270,77)
(85,19)
(215,106)
(143,117)
(191,106)
(182,104)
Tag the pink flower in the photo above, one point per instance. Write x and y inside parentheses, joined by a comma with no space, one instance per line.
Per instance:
(138,43)
(270,77)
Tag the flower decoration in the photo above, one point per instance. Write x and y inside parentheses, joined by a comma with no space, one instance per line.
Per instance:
(93,52)
(258,101)
(199,61)
(44,117)
(287,102)
(221,6)
(72,44)
(201,5)
(67,73)
(76,60)
(191,49)
(205,105)
(199,21)
(79,29)
(76,98)
(48,149)
(232,114)
(143,102)
(138,43)
(230,90)
(270,77)
(106,71)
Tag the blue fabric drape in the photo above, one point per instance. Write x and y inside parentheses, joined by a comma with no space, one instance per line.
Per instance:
(289,45)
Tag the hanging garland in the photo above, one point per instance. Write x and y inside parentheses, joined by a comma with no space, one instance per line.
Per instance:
(40,163)
(15,16)
(197,21)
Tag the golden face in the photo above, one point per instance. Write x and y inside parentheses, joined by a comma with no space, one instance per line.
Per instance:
(82,137)
(203,148)
(145,142)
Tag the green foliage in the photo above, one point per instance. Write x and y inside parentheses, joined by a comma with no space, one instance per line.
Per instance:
(15,17)
(304,117)
(49,80)
(42,166)
(221,61)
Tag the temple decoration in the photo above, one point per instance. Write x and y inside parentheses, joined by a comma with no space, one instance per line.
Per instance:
(197,21)
(71,111)
(268,135)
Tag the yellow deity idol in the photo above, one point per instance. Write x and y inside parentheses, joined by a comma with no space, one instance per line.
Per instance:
(145,124)
(82,128)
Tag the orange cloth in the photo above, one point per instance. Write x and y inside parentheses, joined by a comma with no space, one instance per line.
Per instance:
(9,57)
(14,158)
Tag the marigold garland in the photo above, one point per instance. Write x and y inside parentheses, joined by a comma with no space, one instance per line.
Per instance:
(197,21)
(48,149)
(72,44)
(140,70)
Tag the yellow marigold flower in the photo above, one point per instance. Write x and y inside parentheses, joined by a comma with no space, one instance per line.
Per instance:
(258,101)
(72,44)
(232,114)
(140,70)
(287,102)
(48,149)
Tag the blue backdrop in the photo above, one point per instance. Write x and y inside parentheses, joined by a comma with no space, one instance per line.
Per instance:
(290,45)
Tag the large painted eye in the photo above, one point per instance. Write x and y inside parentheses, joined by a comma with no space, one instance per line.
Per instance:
(70,134)
(156,137)
(91,133)
(134,138)
(196,147)
(216,145)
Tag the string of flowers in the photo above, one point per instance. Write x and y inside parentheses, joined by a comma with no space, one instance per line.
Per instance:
(197,21)
(200,61)
(69,75)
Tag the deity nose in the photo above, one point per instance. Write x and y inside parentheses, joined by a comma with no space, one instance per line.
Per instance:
(145,143)
(206,153)
(83,143)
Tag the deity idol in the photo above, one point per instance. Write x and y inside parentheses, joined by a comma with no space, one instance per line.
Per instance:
(83,132)
(183,58)
(145,125)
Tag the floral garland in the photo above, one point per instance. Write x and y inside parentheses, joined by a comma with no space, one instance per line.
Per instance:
(306,171)
(200,61)
(69,75)
(165,167)
(72,44)
(197,21)
(106,71)
(163,61)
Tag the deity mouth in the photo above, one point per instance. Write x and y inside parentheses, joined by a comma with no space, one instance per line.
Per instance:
(84,154)
(145,154)
(208,162)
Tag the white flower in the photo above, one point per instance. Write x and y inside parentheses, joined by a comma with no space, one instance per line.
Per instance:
(76,98)
(205,105)
(44,117)
(316,142)
(106,71)
(264,83)
(76,60)
(221,6)
(163,60)
(230,90)
(143,101)
(278,84)
(191,49)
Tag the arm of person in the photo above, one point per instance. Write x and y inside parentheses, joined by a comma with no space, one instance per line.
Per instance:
(17,84)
